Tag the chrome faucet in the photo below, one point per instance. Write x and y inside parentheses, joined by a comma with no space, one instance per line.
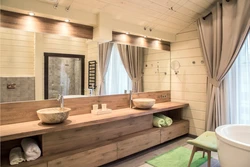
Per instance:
(61,100)
(90,92)
(130,98)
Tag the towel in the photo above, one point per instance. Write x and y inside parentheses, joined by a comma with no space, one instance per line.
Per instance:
(168,120)
(16,156)
(158,122)
(31,149)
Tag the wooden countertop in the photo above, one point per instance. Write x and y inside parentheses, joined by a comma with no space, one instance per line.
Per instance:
(32,128)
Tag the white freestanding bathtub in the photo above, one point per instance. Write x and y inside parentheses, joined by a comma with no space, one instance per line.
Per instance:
(233,145)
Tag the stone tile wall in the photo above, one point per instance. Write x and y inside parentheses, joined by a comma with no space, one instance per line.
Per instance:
(25,89)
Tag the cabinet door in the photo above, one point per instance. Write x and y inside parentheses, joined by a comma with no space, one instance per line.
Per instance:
(138,142)
(177,129)
(94,157)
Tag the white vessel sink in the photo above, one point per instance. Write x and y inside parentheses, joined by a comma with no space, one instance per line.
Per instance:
(144,103)
(53,115)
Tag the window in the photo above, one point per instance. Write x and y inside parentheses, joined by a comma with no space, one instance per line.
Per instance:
(237,87)
(116,79)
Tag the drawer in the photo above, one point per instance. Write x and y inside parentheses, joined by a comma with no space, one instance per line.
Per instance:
(90,158)
(175,130)
(140,141)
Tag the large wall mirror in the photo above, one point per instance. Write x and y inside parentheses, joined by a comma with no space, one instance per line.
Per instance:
(22,74)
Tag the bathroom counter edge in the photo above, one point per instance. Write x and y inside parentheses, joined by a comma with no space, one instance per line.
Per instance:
(32,128)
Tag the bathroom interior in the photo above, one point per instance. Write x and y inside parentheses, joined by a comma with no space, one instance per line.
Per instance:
(123,83)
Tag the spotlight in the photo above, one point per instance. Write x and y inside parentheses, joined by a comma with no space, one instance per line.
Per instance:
(31,13)
(127,32)
(67,20)
(145,36)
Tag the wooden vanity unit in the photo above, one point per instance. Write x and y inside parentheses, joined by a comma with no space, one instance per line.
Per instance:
(92,140)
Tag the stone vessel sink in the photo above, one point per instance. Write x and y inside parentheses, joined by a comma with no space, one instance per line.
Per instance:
(144,103)
(53,115)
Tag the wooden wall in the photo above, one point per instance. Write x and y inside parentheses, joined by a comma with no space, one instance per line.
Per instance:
(16,53)
(190,84)
(26,111)
(44,25)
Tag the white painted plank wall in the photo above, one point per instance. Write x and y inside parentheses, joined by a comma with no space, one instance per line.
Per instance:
(189,85)
(152,80)
(16,53)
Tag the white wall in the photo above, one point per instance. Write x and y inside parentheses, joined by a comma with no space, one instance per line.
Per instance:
(17,53)
(190,84)
(154,81)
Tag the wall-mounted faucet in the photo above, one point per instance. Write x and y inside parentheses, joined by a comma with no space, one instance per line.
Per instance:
(61,100)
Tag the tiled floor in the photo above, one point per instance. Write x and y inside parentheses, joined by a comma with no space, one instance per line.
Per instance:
(138,159)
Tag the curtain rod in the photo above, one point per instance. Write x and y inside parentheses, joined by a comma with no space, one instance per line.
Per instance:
(204,18)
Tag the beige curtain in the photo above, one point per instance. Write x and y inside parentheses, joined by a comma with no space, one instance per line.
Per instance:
(132,58)
(104,57)
(222,34)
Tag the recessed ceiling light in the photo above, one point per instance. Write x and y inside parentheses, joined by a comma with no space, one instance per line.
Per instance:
(127,32)
(31,13)
(67,20)
(145,36)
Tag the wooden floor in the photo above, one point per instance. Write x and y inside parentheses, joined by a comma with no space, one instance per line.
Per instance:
(138,159)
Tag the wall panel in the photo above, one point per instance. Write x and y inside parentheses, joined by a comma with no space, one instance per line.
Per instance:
(152,80)
(189,85)
(16,53)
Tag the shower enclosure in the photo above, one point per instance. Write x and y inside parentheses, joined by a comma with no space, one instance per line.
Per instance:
(63,74)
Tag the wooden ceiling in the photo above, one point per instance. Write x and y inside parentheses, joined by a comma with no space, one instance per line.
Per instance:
(164,15)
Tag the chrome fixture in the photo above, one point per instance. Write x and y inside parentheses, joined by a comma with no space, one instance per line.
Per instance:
(175,65)
(91,92)
(158,70)
(61,100)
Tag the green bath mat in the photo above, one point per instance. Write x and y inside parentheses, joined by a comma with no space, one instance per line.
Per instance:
(178,157)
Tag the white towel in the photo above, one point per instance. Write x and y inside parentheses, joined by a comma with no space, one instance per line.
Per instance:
(30,158)
(16,156)
(31,149)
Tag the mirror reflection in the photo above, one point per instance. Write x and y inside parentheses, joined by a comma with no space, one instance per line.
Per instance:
(63,74)
(23,67)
